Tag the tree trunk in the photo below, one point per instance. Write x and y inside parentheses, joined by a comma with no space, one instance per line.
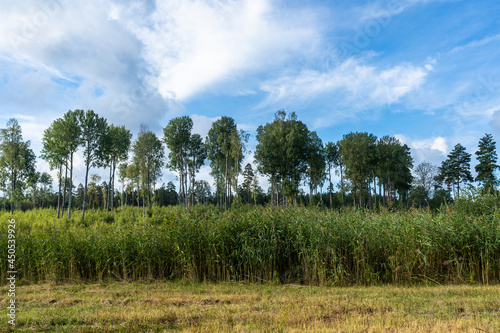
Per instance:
(113,187)
(218,186)
(70,185)
(109,189)
(85,193)
(226,181)
(65,185)
(330,184)
(342,184)
(59,194)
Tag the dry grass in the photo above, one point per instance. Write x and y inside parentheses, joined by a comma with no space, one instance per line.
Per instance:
(238,307)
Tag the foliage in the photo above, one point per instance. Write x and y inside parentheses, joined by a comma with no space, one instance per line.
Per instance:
(147,162)
(178,139)
(455,169)
(17,160)
(487,158)
(282,153)
(359,154)
(93,134)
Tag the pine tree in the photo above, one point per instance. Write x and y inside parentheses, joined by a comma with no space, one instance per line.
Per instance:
(487,158)
(456,168)
(248,177)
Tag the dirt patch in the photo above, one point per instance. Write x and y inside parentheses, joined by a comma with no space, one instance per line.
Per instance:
(214,302)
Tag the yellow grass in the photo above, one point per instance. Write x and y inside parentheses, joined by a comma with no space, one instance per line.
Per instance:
(239,307)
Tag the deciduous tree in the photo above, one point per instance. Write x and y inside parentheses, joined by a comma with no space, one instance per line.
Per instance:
(16,158)
(93,128)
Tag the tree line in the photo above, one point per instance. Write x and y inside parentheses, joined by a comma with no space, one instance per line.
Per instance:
(373,171)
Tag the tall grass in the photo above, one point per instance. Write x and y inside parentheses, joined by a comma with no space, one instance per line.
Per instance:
(459,244)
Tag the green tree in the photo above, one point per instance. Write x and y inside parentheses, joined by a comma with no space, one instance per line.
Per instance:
(358,153)
(331,154)
(33,182)
(93,190)
(115,146)
(122,177)
(55,153)
(148,156)
(282,152)
(456,168)
(248,177)
(133,175)
(486,155)
(93,128)
(68,135)
(316,163)
(239,140)
(177,136)
(393,167)
(46,186)
(203,191)
(220,145)
(196,155)
(16,158)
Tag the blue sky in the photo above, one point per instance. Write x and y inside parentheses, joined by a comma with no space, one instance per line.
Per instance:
(426,71)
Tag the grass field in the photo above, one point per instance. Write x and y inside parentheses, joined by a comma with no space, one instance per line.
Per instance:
(240,307)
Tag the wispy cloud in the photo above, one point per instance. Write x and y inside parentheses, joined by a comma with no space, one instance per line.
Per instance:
(361,85)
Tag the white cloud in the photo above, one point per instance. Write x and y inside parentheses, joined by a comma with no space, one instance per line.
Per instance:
(194,44)
(360,86)
(432,150)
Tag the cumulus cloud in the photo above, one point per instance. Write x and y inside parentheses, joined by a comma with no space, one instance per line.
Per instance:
(433,150)
(191,45)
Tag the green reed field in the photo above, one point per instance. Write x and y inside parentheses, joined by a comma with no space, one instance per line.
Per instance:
(458,244)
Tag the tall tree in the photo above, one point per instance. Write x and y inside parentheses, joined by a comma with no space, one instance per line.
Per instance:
(215,156)
(16,158)
(54,153)
(316,162)
(177,135)
(46,186)
(486,155)
(239,139)
(248,176)
(281,153)
(358,153)
(220,148)
(196,155)
(115,147)
(456,168)
(33,182)
(93,128)
(148,157)
(424,182)
(393,167)
(68,134)
(122,177)
(331,153)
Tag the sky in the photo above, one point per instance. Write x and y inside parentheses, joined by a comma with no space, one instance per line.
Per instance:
(425,71)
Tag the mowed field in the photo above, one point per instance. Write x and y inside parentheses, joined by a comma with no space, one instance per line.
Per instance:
(241,307)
